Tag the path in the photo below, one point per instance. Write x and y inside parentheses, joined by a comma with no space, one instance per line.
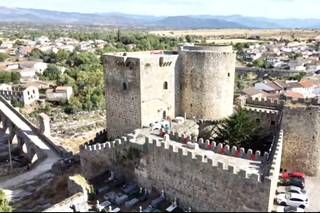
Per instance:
(43,166)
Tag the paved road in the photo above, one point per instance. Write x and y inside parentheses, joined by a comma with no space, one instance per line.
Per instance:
(41,168)
(312,188)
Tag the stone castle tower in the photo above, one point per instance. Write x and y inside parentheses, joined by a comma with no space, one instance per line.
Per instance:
(144,87)
(207,81)
(301,151)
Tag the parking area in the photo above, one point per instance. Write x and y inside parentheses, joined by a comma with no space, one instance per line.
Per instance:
(312,187)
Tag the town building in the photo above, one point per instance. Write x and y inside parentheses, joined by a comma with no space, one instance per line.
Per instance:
(24,94)
(60,94)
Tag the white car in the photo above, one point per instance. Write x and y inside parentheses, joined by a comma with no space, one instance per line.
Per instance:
(289,209)
(293,199)
(292,189)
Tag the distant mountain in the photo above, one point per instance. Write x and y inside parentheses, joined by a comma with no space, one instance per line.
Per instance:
(194,23)
(129,20)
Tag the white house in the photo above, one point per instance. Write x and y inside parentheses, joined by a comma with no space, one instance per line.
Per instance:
(25,95)
(40,67)
(59,94)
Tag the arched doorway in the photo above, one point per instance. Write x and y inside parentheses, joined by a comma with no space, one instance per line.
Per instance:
(164,115)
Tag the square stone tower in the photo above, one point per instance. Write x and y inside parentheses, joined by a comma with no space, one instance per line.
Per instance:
(140,89)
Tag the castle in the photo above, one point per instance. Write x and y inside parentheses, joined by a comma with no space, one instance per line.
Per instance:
(144,87)
(197,83)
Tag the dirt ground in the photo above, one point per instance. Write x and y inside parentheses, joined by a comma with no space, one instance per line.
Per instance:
(71,131)
(242,33)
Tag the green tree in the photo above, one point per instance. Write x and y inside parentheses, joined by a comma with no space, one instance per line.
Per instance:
(298,77)
(52,73)
(188,38)
(237,130)
(4,204)
(3,57)
(63,56)
(15,77)
(19,43)
(261,63)
(35,54)
(73,106)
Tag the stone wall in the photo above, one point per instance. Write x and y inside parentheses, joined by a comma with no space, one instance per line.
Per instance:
(207,82)
(266,119)
(196,181)
(123,95)
(205,184)
(157,88)
(301,149)
(139,90)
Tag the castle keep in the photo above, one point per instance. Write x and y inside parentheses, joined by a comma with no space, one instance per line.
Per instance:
(144,87)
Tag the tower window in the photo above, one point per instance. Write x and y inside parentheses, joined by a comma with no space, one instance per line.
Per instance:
(124,86)
(228,74)
(165,85)
(273,123)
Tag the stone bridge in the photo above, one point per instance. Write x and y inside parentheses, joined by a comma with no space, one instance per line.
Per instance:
(20,133)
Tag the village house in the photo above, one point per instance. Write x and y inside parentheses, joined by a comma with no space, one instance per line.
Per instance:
(25,94)
(60,94)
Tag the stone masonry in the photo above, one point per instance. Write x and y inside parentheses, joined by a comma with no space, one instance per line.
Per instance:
(144,87)
(205,179)
(300,122)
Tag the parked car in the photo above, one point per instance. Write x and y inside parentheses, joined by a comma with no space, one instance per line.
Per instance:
(292,189)
(289,209)
(287,175)
(298,182)
(293,199)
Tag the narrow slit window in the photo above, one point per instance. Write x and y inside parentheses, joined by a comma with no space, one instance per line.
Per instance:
(124,86)
(165,85)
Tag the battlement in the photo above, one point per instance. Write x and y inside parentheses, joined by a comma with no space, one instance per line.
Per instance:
(198,159)
(109,144)
(219,148)
(278,104)
(261,110)
(265,102)
(276,150)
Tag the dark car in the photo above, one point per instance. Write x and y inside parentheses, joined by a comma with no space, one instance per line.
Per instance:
(294,182)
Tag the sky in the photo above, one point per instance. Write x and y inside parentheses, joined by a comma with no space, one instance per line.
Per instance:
(260,8)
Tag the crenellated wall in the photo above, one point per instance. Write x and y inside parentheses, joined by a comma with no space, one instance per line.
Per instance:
(193,177)
(300,122)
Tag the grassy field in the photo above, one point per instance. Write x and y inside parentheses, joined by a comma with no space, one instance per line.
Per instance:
(213,34)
